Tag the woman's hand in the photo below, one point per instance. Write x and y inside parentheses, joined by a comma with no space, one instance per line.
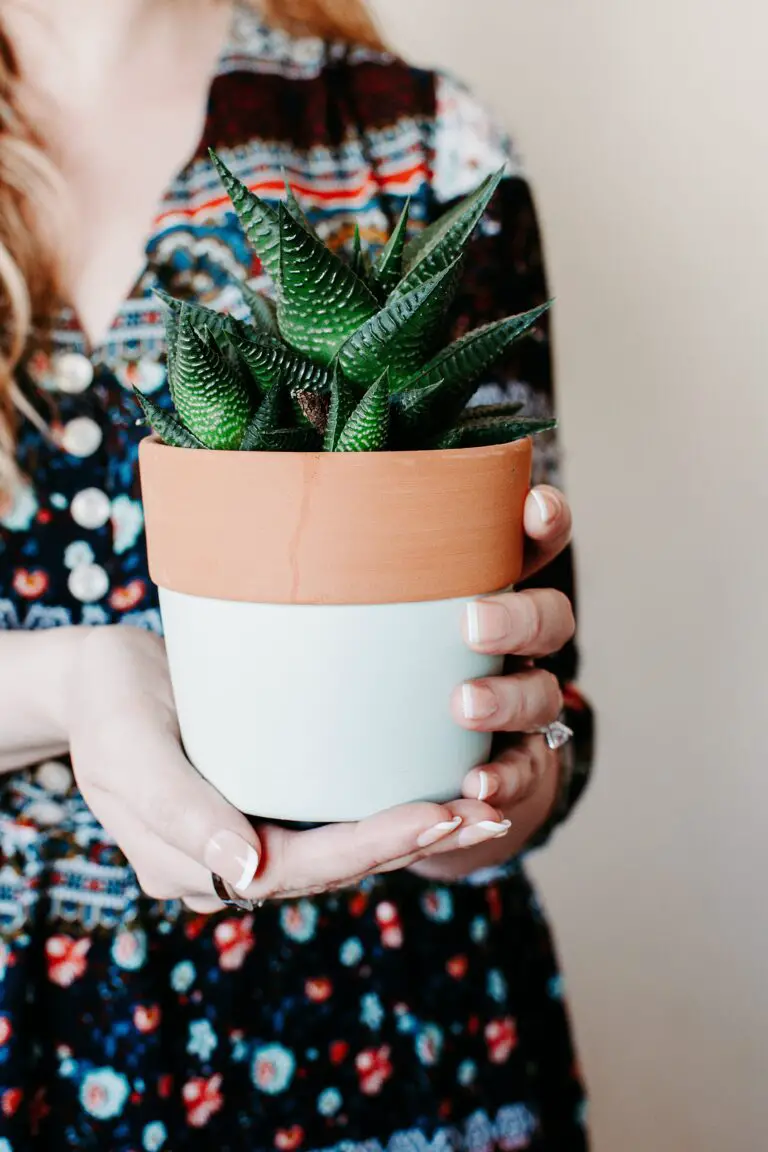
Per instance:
(522,781)
(175,829)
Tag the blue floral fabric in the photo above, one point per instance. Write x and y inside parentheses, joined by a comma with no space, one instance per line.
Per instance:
(398,1015)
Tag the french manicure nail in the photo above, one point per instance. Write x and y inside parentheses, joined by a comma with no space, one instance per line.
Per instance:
(484,830)
(547,509)
(438,832)
(489,785)
(477,702)
(232,858)
(486,622)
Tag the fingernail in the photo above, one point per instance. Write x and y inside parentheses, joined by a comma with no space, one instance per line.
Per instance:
(489,785)
(232,858)
(547,507)
(486,622)
(477,702)
(438,832)
(484,830)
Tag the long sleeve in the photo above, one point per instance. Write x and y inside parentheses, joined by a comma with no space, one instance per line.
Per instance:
(505,275)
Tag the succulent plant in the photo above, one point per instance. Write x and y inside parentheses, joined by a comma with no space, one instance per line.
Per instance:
(352,357)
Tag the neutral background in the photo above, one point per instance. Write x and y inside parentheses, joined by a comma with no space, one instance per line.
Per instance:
(644,127)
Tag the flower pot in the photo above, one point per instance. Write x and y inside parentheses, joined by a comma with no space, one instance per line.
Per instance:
(312,607)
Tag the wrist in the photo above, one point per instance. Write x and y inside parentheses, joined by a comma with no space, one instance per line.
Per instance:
(55,655)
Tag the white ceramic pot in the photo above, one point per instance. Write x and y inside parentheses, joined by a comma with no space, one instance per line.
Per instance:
(322,712)
(312,607)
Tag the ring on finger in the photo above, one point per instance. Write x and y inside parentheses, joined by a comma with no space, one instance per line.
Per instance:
(233,899)
(556,734)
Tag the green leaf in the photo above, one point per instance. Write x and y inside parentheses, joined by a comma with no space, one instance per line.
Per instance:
(489,412)
(388,265)
(438,394)
(442,242)
(165,425)
(358,259)
(343,403)
(268,360)
(258,219)
(267,418)
(321,302)
(295,209)
(207,392)
(502,431)
(368,426)
(292,440)
(263,310)
(399,336)
(450,439)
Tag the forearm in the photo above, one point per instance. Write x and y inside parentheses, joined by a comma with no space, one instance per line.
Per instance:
(34,671)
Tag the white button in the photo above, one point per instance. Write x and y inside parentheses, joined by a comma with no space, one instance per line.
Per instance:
(72,372)
(88,582)
(45,813)
(81,437)
(54,776)
(91,508)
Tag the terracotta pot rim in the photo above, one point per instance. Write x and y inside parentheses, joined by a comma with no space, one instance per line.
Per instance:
(400,453)
(335,527)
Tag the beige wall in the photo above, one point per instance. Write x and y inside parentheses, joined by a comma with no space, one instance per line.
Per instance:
(645,126)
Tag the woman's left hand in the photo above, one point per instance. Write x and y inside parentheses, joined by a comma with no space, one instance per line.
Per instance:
(521,783)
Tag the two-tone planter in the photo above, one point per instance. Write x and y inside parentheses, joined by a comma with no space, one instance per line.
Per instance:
(312,607)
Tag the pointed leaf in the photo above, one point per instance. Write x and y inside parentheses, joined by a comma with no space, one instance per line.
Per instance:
(450,439)
(165,425)
(208,394)
(358,260)
(267,419)
(445,239)
(295,209)
(388,265)
(292,440)
(321,301)
(502,431)
(268,360)
(343,403)
(399,336)
(489,411)
(368,426)
(439,393)
(258,219)
(263,310)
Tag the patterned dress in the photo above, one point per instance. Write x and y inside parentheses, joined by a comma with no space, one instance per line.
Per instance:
(400,1015)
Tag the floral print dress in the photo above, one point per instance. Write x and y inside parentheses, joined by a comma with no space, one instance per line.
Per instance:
(400,1015)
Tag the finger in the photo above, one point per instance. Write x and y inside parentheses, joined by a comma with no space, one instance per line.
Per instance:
(519,703)
(203,905)
(173,803)
(333,856)
(513,776)
(533,623)
(548,525)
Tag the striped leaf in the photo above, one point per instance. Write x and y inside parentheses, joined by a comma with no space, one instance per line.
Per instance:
(343,403)
(262,309)
(439,393)
(502,431)
(267,359)
(165,425)
(292,440)
(267,418)
(208,393)
(321,301)
(489,411)
(399,336)
(451,231)
(295,209)
(388,265)
(368,426)
(357,262)
(258,219)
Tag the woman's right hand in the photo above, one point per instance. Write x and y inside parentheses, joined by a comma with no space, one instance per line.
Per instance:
(176,829)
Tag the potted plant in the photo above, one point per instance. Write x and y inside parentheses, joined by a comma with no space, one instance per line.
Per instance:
(320,505)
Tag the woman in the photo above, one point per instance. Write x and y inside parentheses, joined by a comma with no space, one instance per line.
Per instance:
(398,983)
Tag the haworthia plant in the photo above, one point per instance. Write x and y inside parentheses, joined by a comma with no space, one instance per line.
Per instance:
(351,357)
